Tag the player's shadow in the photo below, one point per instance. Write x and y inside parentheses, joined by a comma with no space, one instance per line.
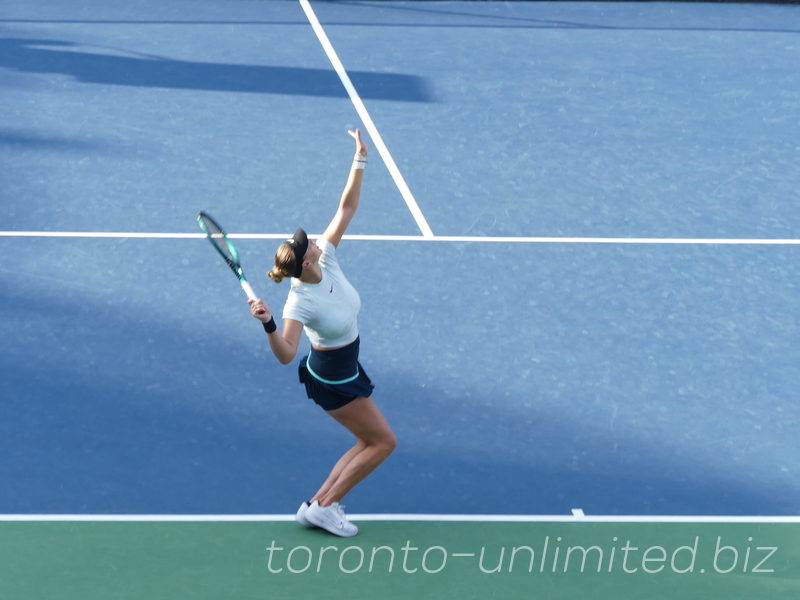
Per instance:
(112,67)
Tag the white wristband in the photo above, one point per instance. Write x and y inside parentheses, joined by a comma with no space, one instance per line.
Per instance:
(359,160)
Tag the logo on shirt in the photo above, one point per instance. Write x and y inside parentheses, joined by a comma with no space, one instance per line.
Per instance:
(331,290)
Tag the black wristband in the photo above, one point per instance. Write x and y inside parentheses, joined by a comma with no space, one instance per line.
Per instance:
(270,326)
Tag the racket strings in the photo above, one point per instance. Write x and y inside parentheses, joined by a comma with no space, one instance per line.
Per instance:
(218,238)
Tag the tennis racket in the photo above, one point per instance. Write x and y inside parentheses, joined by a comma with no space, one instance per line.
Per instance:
(219,239)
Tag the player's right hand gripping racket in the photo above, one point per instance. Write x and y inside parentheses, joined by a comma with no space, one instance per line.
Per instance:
(219,239)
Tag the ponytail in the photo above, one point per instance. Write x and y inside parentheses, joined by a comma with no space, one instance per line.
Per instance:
(284,263)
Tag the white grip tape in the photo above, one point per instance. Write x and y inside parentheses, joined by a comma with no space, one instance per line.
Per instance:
(249,291)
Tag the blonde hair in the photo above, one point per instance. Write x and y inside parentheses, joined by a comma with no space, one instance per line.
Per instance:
(284,263)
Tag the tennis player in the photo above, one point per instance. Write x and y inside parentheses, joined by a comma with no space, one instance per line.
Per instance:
(324,304)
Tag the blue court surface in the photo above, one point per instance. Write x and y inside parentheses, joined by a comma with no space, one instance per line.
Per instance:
(601,314)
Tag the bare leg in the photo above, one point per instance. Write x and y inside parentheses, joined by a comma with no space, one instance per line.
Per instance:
(374,442)
(337,470)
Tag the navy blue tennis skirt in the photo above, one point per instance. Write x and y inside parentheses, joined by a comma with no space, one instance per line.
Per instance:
(334,378)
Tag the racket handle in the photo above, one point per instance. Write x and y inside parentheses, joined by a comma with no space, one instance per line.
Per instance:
(248,290)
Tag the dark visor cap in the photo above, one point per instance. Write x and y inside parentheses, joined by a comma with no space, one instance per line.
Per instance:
(299,245)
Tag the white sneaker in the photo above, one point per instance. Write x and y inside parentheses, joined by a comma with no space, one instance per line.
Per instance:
(331,518)
(300,517)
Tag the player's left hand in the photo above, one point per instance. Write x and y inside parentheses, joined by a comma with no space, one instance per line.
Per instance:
(361,146)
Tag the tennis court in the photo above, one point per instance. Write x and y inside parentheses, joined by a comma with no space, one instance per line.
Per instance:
(577,250)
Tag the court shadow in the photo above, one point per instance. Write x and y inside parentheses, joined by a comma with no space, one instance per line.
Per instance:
(122,414)
(29,139)
(111,67)
(131,410)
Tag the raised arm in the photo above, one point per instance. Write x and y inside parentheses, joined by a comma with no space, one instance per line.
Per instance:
(351,194)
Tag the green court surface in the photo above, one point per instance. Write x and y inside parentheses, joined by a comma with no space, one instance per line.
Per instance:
(85,558)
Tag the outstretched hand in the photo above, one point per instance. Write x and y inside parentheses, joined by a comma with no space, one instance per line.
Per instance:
(361,146)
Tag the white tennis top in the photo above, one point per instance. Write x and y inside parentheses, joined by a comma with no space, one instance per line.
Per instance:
(329,309)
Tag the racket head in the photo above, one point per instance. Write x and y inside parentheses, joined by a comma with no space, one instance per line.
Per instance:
(219,239)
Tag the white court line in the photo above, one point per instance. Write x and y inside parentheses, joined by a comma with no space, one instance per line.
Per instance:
(400,517)
(367,120)
(418,238)
(101,234)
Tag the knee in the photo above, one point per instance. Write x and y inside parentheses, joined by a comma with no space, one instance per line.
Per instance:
(383,445)
(388,444)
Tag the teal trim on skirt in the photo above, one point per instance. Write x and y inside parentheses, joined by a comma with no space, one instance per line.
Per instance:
(333,378)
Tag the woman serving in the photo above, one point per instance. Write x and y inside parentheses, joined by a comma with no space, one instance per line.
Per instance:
(324,304)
